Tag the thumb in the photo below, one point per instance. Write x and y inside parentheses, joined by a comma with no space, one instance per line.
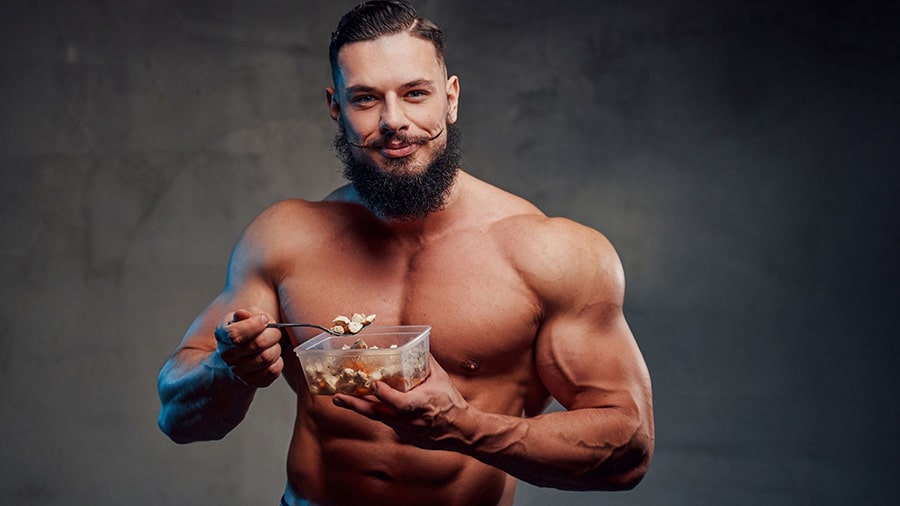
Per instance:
(239,315)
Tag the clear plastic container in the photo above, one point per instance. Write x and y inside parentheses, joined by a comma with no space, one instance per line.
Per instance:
(397,355)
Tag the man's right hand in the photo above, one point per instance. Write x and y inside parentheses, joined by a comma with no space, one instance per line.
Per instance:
(251,351)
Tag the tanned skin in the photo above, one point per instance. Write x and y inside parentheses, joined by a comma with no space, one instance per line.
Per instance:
(524,308)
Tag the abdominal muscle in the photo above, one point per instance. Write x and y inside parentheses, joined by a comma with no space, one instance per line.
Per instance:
(338,457)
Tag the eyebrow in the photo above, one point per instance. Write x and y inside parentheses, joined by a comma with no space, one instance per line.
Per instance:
(419,83)
(361,88)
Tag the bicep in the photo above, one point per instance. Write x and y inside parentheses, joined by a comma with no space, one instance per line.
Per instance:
(585,351)
(591,360)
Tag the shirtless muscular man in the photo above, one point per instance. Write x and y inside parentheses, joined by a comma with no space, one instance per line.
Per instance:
(524,308)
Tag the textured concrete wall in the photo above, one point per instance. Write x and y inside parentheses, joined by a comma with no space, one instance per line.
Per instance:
(741,156)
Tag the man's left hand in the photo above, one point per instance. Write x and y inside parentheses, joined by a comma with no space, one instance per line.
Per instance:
(431,415)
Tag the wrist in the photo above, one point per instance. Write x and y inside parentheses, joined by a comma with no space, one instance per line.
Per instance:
(477,432)
(466,426)
(495,433)
(222,372)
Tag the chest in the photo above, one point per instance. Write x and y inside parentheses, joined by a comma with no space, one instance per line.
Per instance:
(483,316)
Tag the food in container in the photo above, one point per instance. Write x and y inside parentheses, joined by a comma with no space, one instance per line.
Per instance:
(350,364)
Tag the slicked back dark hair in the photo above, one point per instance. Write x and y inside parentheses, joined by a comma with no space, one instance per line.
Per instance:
(378,18)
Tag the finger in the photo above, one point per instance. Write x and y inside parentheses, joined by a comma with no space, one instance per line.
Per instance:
(266,340)
(268,356)
(240,359)
(365,406)
(435,369)
(247,313)
(240,315)
(265,364)
(394,398)
(263,377)
(242,329)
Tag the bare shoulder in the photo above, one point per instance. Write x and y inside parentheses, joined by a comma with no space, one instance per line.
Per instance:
(295,219)
(290,228)
(558,257)
(565,262)
(275,223)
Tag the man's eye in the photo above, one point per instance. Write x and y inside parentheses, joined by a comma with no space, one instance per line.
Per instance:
(417,94)
(363,99)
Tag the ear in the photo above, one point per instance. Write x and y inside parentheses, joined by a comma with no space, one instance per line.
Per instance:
(452,99)
(334,105)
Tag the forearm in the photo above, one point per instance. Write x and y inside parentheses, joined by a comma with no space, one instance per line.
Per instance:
(587,449)
(201,400)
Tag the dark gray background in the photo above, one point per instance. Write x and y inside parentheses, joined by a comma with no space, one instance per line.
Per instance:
(740,155)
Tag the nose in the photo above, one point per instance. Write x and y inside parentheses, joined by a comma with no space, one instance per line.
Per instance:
(393,116)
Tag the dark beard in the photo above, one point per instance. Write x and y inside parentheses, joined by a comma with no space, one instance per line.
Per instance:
(403,196)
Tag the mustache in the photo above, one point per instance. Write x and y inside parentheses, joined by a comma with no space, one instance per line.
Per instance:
(381,142)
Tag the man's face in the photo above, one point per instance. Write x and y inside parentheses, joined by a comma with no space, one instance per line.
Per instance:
(395,108)
(394,101)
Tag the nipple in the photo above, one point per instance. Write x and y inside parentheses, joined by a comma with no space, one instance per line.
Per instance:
(471,364)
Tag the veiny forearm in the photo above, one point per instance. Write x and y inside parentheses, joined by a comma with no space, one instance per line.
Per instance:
(201,400)
(587,449)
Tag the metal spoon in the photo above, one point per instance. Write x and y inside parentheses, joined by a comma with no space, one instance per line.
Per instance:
(288,325)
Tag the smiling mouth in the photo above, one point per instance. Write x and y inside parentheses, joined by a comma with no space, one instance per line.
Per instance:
(398,151)
(398,147)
